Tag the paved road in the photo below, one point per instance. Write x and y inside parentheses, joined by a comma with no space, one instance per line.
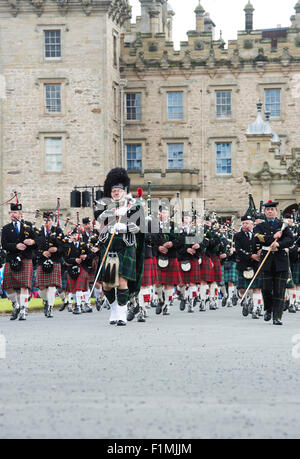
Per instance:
(202,375)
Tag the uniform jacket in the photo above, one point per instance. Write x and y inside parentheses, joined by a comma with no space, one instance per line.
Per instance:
(264,233)
(10,239)
(245,248)
(54,239)
(72,252)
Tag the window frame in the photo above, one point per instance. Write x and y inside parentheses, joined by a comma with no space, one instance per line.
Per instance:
(175,106)
(46,110)
(274,117)
(170,144)
(138,120)
(132,144)
(222,91)
(54,29)
(56,137)
(223,174)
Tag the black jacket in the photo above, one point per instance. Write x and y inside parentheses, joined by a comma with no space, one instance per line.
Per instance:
(166,234)
(72,252)
(245,248)
(10,239)
(54,239)
(264,233)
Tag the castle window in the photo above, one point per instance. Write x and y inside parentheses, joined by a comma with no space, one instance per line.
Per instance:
(133,107)
(273,102)
(223,158)
(223,104)
(53,152)
(175,106)
(175,156)
(134,157)
(53,98)
(52,44)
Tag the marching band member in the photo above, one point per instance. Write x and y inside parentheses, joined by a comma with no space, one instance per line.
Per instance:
(248,255)
(122,244)
(273,238)
(18,240)
(50,250)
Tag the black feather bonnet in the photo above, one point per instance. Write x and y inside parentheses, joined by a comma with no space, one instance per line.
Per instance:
(116,177)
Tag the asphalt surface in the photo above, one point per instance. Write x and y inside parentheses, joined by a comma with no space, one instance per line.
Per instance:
(213,374)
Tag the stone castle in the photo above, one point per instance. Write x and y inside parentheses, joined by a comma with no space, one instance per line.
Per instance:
(84,90)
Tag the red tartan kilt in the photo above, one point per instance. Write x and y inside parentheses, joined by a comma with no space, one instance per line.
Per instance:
(150,273)
(217,268)
(206,269)
(170,275)
(22,279)
(45,280)
(192,276)
(79,284)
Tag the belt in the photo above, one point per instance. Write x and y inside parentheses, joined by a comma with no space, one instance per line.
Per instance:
(268,248)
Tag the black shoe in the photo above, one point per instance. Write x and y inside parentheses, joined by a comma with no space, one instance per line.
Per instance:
(245,311)
(99,304)
(77,310)
(121,323)
(63,306)
(88,309)
(46,308)
(141,318)
(159,307)
(224,302)
(277,322)
(234,300)
(15,314)
(267,316)
(255,315)
(130,315)
(22,315)
(292,309)
(182,305)
(50,312)
(166,311)
(113,322)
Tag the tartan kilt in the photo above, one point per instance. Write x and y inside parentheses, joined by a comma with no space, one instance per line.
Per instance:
(230,274)
(206,269)
(13,280)
(295,268)
(81,284)
(93,273)
(127,266)
(192,276)
(45,280)
(210,269)
(243,283)
(149,273)
(170,275)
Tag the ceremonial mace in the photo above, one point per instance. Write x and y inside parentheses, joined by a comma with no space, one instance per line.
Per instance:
(284,226)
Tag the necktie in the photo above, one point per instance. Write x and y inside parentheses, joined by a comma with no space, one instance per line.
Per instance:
(16,228)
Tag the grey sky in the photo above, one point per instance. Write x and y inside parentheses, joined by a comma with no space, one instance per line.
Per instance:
(228,15)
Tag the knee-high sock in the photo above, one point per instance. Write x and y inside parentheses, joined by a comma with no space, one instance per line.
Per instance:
(212,290)
(97,293)
(43,294)
(86,296)
(51,295)
(13,298)
(24,300)
(159,292)
(230,292)
(193,292)
(78,298)
(203,291)
(168,296)
(62,296)
(113,311)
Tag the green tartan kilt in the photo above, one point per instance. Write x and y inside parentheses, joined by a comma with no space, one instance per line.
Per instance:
(295,268)
(127,267)
(243,283)
(229,274)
